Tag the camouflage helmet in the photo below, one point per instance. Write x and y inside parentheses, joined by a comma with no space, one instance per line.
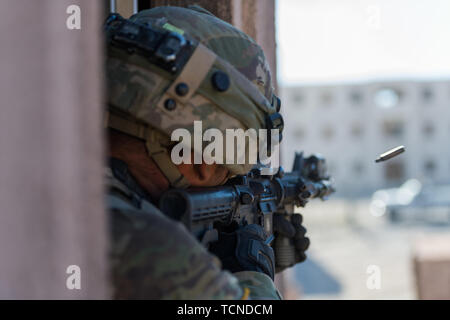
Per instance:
(170,66)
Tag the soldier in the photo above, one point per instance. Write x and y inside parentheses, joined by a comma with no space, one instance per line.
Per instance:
(225,83)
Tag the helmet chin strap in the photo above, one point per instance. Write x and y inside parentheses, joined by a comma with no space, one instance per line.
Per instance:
(160,155)
(153,142)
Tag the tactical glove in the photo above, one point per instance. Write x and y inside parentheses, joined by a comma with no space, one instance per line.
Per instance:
(245,250)
(294,231)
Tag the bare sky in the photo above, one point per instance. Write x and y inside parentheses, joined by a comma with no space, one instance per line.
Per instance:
(348,40)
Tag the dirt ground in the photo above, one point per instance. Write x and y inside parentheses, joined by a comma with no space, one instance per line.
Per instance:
(347,244)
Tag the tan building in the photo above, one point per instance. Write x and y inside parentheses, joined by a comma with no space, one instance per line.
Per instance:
(351,124)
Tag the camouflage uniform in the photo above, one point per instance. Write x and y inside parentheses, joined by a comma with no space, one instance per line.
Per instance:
(153,256)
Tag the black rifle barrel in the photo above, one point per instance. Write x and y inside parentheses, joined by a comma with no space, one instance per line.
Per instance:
(244,201)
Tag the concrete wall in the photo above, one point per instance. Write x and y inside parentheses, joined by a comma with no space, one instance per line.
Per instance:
(51,211)
(432,267)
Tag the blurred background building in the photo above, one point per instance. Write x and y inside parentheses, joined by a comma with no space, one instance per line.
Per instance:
(351,124)
(357,78)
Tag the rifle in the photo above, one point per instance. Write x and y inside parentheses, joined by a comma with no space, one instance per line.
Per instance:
(248,199)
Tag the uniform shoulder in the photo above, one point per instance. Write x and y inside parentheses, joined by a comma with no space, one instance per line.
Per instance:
(260,285)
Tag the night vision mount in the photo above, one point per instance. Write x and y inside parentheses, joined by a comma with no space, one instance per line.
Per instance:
(166,49)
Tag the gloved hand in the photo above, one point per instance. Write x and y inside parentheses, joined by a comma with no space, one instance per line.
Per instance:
(245,250)
(295,232)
